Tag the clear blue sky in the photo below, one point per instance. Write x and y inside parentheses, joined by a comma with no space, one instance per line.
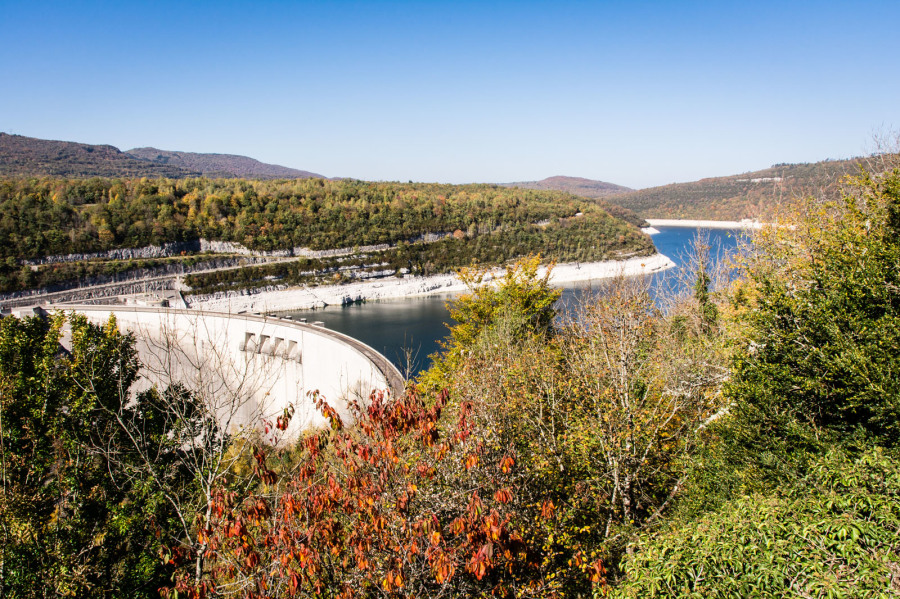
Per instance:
(635,93)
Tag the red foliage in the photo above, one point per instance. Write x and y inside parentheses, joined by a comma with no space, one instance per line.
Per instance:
(374,508)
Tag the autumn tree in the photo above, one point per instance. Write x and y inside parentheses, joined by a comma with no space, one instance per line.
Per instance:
(401,504)
(644,386)
(602,411)
(518,295)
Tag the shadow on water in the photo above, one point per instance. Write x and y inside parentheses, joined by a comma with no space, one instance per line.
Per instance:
(393,327)
(407,331)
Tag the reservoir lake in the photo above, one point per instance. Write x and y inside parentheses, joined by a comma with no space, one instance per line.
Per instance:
(416,325)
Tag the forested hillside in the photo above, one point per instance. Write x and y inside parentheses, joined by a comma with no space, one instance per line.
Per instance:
(490,224)
(54,216)
(221,165)
(22,156)
(749,195)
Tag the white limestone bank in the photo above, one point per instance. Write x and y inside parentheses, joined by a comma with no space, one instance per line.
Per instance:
(304,298)
(703,224)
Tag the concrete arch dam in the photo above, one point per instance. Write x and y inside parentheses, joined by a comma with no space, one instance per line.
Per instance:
(248,369)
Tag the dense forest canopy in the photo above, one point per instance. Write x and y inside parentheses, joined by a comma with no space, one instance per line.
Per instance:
(748,195)
(57,216)
(591,237)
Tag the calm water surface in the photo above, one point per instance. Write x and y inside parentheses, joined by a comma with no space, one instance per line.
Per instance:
(415,325)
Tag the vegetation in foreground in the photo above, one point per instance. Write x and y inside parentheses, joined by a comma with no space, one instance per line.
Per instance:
(740,442)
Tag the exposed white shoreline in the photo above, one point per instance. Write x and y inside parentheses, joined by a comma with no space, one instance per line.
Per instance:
(304,298)
(746,223)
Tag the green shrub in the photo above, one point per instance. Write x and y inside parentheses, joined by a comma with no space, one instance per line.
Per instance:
(832,535)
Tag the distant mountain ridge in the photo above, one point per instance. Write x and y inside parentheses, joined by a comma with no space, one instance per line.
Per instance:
(221,165)
(22,156)
(588,188)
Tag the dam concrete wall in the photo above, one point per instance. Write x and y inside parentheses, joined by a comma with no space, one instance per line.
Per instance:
(249,369)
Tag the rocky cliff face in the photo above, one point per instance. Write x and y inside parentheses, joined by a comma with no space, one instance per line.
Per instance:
(152,251)
(218,247)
